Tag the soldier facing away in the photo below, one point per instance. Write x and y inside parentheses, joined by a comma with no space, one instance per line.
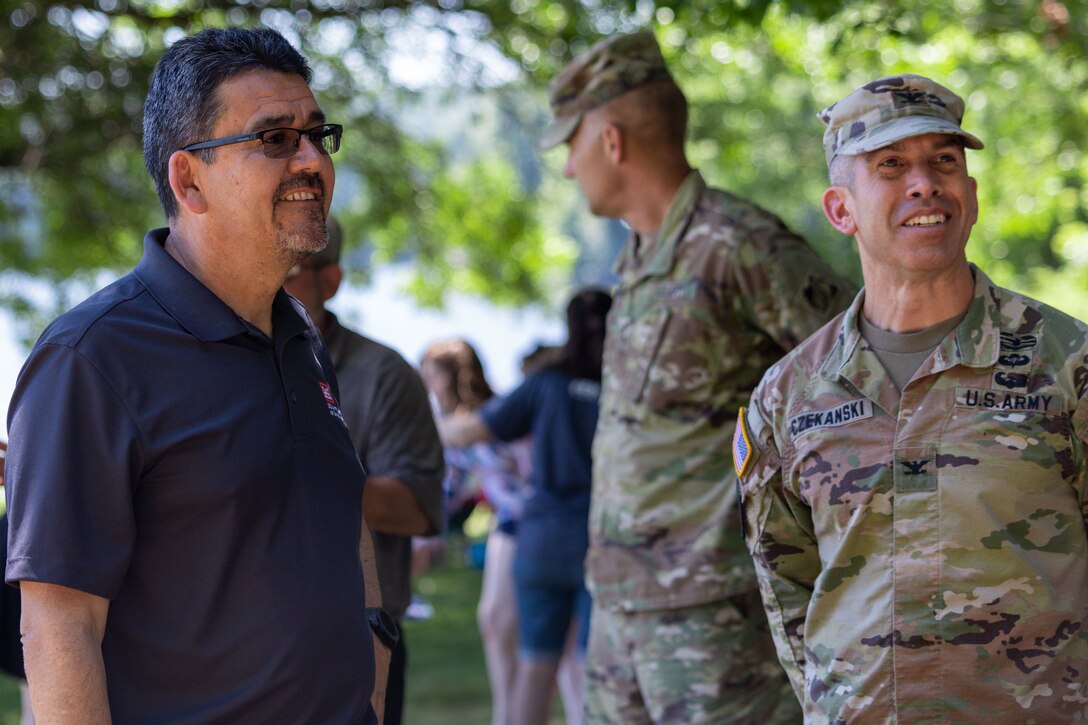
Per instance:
(712,291)
(913,475)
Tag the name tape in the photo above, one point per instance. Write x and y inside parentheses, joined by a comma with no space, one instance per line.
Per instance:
(987,399)
(848,412)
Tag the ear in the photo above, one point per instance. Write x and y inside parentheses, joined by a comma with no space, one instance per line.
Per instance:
(974,200)
(330,276)
(182,171)
(837,210)
(613,140)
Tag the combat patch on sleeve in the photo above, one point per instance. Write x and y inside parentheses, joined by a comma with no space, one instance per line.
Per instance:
(819,293)
(742,445)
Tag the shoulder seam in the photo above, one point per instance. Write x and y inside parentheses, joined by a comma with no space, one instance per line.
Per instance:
(110,385)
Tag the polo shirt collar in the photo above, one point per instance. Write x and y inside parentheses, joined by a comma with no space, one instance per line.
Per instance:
(658,254)
(194,306)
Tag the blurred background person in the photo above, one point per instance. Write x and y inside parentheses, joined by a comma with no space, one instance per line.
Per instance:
(558,406)
(454,376)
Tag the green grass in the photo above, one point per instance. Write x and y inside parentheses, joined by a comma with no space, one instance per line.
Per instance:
(447,679)
(9,700)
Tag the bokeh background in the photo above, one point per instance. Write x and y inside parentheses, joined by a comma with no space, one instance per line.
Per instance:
(443,101)
(455,223)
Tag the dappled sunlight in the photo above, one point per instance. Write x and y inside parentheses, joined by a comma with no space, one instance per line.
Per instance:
(442,100)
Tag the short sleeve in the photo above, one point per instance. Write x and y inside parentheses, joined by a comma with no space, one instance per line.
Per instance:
(402,442)
(74,462)
(511,418)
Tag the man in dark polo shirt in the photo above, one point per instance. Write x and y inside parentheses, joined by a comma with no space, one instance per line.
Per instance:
(184,497)
(385,407)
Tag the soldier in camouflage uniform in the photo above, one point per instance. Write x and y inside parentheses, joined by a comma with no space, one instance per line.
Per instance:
(913,476)
(712,290)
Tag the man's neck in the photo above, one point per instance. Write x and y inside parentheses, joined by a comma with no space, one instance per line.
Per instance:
(246,286)
(902,303)
(652,194)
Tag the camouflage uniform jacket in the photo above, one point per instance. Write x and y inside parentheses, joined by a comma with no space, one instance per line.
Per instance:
(923,557)
(721,295)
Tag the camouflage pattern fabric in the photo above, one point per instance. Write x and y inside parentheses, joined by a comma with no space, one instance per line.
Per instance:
(923,558)
(610,68)
(888,110)
(708,664)
(699,314)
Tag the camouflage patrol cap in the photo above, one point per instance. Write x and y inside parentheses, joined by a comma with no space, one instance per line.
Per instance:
(610,68)
(891,109)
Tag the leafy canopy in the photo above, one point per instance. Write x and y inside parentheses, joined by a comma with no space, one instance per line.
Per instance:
(443,101)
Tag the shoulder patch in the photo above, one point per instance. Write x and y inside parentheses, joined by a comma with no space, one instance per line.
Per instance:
(819,293)
(742,445)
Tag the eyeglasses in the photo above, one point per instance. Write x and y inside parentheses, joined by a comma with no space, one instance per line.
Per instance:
(282,143)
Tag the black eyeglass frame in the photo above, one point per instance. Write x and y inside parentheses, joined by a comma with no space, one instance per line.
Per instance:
(317,134)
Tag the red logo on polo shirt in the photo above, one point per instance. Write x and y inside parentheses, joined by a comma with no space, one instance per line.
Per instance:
(334,409)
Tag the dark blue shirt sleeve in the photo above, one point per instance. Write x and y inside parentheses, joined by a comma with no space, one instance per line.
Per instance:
(511,417)
(74,452)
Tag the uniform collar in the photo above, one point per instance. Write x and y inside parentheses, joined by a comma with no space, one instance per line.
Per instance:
(975,343)
(194,306)
(658,254)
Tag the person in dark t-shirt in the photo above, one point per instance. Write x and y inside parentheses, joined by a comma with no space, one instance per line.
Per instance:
(557,405)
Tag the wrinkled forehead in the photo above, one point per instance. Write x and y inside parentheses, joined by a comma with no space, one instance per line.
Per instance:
(263,99)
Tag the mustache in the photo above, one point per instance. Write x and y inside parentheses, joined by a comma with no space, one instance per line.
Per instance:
(301,181)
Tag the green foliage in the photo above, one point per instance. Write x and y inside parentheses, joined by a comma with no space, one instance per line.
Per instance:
(467,205)
(483,239)
(755,91)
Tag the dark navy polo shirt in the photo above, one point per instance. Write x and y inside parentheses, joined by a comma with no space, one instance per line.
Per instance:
(561,414)
(168,456)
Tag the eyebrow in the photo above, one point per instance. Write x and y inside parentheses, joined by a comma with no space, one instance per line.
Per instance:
(264,122)
(949,141)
